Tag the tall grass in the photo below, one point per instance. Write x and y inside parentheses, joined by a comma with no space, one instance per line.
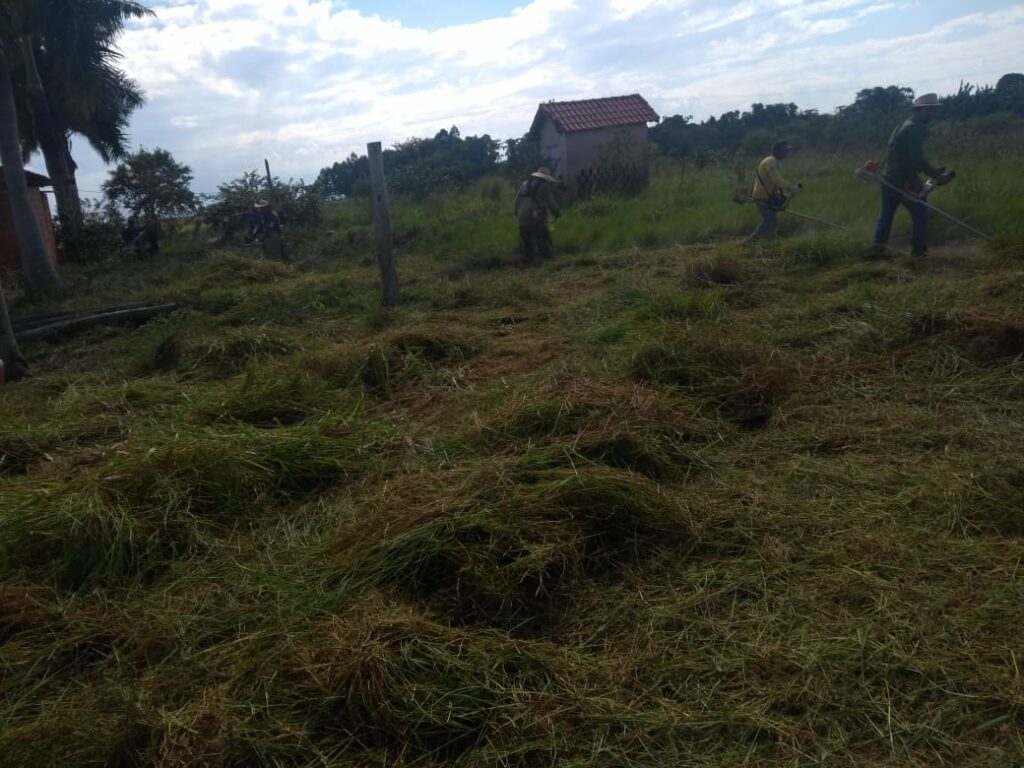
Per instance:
(686,205)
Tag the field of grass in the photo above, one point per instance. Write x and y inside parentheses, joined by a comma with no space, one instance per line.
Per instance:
(666,500)
(690,206)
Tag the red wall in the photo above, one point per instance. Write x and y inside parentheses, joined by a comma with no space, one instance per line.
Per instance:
(8,241)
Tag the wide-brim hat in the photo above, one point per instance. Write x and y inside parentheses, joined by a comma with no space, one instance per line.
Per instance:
(544,173)
(927,101)
(263,204)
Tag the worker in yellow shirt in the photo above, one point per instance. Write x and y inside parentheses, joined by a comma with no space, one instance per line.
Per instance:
(771,191)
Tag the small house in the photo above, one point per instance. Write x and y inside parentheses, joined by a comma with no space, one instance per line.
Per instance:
(595,145)
(9,257)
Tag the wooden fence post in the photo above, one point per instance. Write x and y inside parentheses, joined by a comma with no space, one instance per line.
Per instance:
(270,183)
(382,224)
(271,198)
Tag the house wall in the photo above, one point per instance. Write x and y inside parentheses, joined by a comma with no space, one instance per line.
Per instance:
(588,152)
(552,148)
(9,259)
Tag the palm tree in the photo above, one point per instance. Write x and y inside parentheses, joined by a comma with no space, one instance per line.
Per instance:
(40,273)
(72,85)
(49,140)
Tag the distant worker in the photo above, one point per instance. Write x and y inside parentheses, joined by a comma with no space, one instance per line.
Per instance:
(265,228)
(904,162)
(262,220)
(131,230)
(771,191)
(142,240)
(535,199)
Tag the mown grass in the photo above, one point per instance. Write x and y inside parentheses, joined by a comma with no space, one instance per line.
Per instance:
(698,504)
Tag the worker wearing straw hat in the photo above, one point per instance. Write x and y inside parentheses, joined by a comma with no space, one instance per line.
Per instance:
(535,199)
(906,159)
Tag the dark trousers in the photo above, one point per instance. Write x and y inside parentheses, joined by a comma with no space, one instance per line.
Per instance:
(891,200)
(535,242)
(768,227)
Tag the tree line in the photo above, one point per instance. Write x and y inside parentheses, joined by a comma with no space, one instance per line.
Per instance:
(866,122)
(448,162)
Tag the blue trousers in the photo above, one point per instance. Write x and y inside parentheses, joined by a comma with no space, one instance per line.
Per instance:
(769,223)
(891,200)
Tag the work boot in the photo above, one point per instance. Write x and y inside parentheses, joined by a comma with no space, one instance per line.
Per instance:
(877,252)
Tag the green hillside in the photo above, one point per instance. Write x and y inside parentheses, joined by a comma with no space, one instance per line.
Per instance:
(666,500)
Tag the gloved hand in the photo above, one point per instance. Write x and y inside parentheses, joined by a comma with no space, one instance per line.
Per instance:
(945,177)
(795,189)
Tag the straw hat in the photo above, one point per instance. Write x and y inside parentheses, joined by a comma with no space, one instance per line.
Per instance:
(926,101)
(263,204)
(544,173)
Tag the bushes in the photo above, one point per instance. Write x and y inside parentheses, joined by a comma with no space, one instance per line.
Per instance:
(296,203)
(98,239)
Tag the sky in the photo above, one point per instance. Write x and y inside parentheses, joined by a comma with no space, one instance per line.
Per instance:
(304,83)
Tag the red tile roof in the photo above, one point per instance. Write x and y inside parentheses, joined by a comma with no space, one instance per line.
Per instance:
(592,114)
(32,179)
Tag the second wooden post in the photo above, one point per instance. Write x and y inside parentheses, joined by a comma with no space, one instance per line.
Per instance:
(382,224)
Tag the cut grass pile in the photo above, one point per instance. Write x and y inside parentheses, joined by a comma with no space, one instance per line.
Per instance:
(159,495)
(510,555)
(703,505)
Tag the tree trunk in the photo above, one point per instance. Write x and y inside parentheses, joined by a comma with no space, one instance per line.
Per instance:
(14,364)
(53,145)
(40,273)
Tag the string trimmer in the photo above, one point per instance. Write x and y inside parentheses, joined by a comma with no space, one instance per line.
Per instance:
(870,172)
(741,196)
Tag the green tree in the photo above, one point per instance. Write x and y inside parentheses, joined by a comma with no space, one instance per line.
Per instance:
(342,179)
(675,135)
(892,98)
(1010,92)
(151,184)
(73,85)
(294,201)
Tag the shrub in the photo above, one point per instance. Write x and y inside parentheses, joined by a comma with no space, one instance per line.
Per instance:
(98,239)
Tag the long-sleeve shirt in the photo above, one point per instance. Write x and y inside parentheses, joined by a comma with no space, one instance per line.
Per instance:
(535,198)
(906,156)
(768,180)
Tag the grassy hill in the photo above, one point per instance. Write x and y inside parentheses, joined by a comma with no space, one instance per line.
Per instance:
(659,502)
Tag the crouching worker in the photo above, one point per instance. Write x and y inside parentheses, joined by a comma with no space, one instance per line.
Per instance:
(535,199)
(771,191)
(265,227)
(142,240)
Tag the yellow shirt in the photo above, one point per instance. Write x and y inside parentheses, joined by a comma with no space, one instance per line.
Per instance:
(768,172)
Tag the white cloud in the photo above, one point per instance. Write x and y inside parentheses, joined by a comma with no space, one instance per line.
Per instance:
(304,82)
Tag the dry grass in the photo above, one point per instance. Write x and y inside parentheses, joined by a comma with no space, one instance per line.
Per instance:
(617,512)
